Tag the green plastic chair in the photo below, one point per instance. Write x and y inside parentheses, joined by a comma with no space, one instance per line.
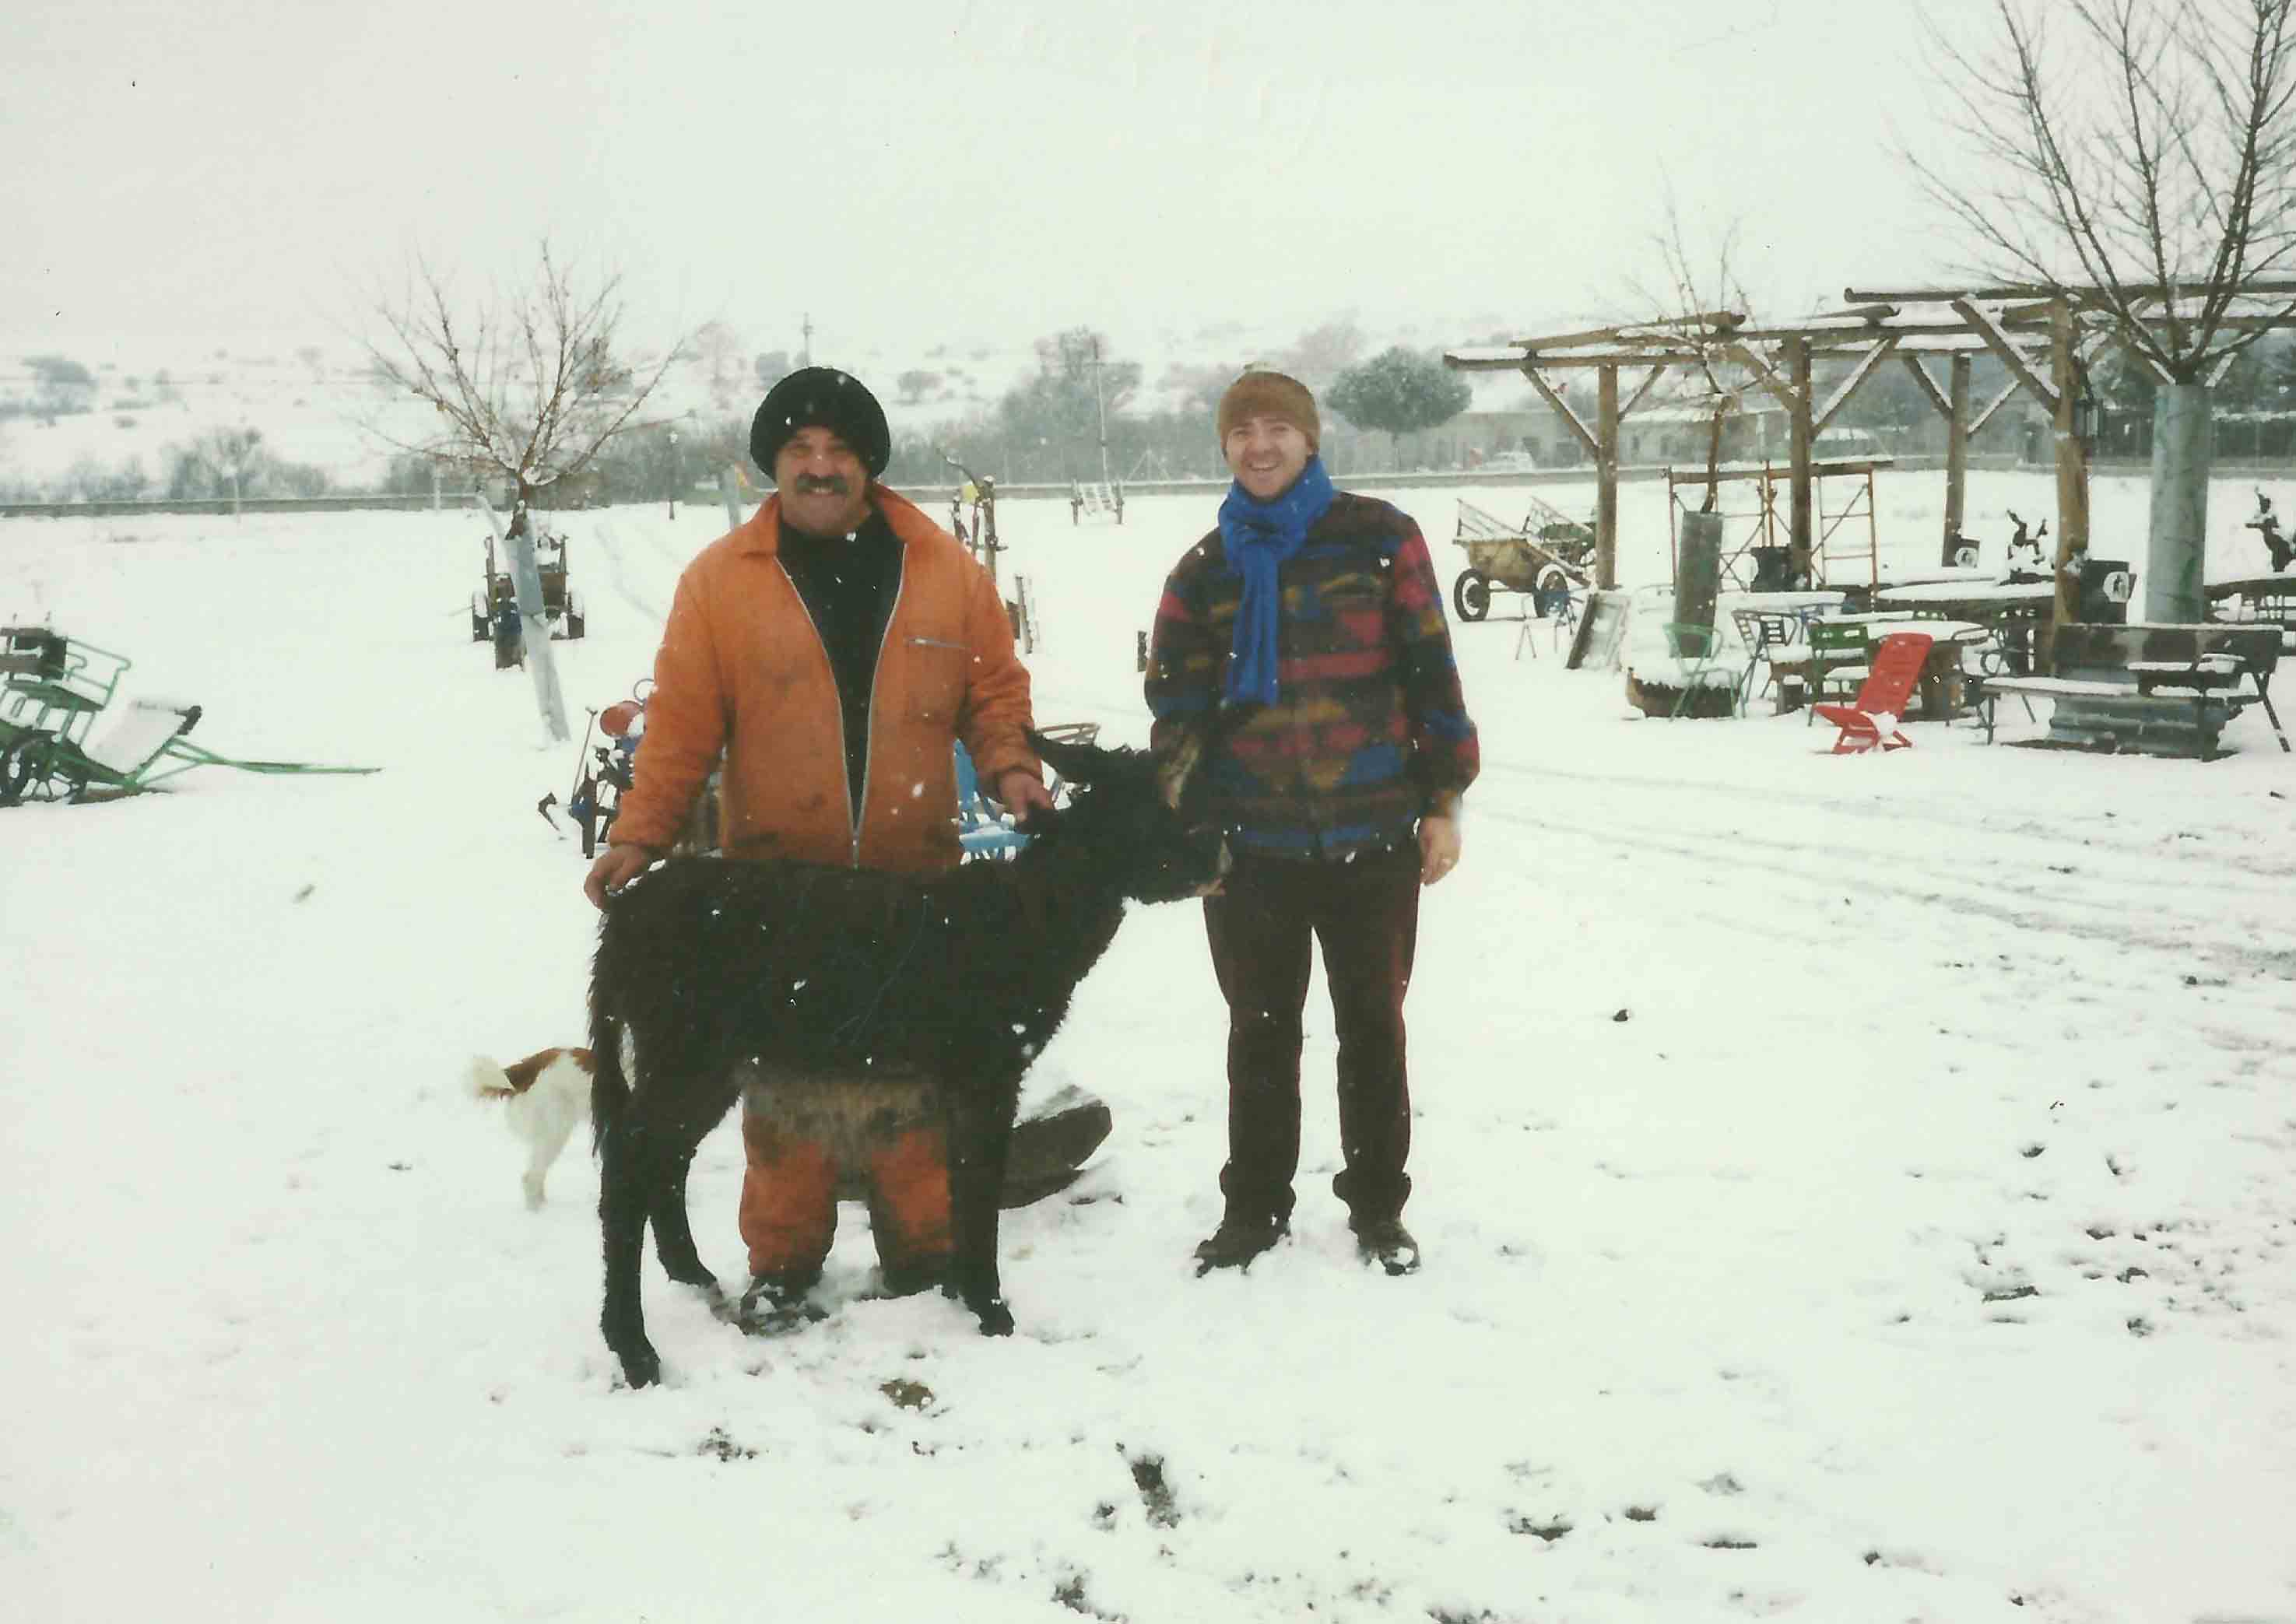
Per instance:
(1837,655)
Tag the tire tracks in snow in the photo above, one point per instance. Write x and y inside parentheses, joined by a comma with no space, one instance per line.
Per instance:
(2211,918)
(608,543)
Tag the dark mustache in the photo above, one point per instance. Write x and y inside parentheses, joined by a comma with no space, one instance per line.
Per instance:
(826,485)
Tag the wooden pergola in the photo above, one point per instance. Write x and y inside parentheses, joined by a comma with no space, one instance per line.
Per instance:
(2045,338)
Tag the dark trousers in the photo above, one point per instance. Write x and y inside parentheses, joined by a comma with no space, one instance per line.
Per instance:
(1364,916)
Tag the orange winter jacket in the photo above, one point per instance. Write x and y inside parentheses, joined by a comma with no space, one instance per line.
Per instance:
(742,669)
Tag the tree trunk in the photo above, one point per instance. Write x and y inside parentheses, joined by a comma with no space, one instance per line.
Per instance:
(2177,537)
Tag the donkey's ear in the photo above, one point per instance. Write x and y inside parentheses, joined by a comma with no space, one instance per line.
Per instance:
(1077,763)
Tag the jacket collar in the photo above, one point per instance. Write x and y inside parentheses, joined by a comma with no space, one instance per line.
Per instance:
(761,531)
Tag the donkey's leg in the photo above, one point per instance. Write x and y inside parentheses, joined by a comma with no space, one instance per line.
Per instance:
(622,1220)
(673,1231)
(979,1135)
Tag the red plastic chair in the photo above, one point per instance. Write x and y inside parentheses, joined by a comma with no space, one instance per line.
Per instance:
(1892,669)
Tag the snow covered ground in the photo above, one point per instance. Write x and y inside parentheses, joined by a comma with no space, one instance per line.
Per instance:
(1854,1189)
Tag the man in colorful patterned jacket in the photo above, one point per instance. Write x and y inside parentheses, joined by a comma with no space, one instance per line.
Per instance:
(1311,619)
(835,646)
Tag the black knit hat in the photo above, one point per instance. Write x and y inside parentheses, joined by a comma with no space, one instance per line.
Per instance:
(822,398)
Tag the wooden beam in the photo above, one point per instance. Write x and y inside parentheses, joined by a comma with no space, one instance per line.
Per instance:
(2001,344)
(1859,373)
(1481,364)
(2196,289)
(1570,418)
(1801,537)
(1993,405)
(1606,487)
(1592,335)
(1744,355)
(1592,361)
(1929,384)
(1652,376)
(1957,456)
(2072,471)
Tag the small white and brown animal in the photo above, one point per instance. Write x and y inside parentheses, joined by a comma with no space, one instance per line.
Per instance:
(547,1094)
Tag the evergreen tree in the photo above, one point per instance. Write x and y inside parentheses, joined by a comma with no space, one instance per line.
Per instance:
(1399,392)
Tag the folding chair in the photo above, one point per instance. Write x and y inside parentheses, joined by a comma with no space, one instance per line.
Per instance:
(1763,631)
(1697,652)
(1896,667)
(979,830)
(1558,609)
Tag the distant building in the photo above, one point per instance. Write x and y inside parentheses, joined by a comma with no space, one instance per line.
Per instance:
(1654,433)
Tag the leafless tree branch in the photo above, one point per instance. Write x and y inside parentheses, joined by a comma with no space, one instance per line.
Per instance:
(1701,307)
(2148,145)
(530,384)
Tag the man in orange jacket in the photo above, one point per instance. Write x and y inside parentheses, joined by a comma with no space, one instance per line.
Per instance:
(834,647)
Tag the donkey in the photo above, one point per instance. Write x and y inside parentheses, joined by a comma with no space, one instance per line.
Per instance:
(858,1002)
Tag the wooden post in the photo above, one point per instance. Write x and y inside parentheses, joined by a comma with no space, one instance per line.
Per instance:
(1606,473)
(2072,466)
(1801,540)
(1957,456)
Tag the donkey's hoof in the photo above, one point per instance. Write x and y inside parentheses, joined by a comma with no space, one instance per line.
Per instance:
(641,1369)
(996,1318)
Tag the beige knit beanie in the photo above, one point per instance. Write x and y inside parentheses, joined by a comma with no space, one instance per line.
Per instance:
(1269,394)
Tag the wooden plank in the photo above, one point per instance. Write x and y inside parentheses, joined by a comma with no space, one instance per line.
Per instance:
(1859,373)
(1993,405)
(1744,354)
(1570,418)
(2034,291)
(1592,361)
(1928,385)
(1997,339)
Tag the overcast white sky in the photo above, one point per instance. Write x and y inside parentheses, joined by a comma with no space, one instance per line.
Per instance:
(227,170)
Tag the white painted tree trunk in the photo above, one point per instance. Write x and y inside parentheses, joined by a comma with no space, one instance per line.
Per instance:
(2177,542)
(526,576)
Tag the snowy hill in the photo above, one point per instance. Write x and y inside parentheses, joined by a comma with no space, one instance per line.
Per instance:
(310,400)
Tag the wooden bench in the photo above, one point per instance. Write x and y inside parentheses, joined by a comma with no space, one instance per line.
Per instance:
(2156,689)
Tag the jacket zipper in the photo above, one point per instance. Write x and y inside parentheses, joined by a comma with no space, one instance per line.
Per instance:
(844,778)
(884,641)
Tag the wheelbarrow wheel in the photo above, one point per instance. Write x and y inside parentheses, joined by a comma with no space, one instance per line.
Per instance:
(1550,581)
(1471,595)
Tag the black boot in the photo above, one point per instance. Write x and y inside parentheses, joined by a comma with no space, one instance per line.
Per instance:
(1239,1240)
(1388,1243)
(776,1303)
(909,1276)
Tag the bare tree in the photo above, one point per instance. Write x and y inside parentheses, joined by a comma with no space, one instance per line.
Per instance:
(529,383)
(2142,163)
(2139,171)
(1698,308)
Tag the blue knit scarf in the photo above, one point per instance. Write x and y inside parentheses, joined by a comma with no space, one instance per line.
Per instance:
(1257,537)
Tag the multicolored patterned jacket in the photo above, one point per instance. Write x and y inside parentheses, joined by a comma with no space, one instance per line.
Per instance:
(1369,730)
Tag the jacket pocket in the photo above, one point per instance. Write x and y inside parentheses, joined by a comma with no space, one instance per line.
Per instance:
(935,670)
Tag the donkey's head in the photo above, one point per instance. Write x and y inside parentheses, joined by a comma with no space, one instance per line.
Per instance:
(1133,812)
